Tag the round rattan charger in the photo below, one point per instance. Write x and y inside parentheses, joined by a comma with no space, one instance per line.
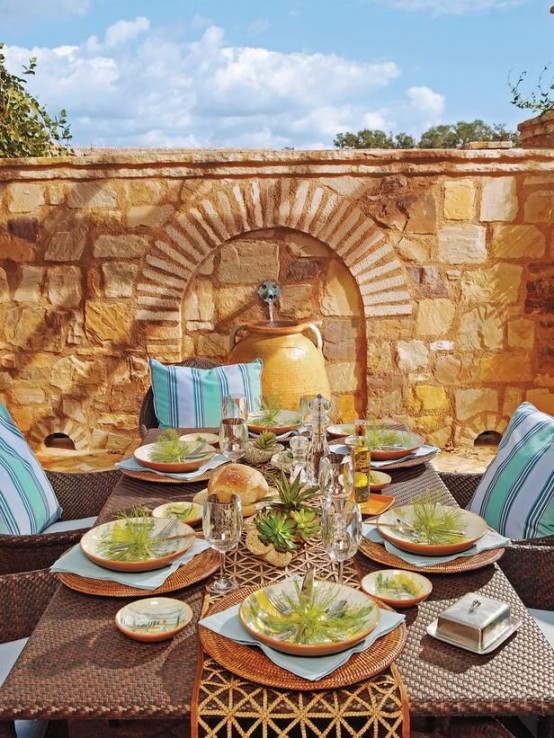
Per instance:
(198,568)
(146,476)
(250,663)
(377,552)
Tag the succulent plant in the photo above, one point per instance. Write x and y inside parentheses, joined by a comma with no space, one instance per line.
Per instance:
(265,441)
(269,411)
(293,495)
(307,523)
(276,528)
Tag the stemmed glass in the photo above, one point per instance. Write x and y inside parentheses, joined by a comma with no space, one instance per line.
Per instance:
(336,478)
(222,527)
(341,532)
(233,435)
(235,406)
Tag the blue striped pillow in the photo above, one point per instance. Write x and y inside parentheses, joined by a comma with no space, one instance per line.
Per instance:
(516,493)
(28,504)
(191,398)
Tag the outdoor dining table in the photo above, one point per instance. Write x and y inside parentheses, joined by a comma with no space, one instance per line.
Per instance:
(78,666)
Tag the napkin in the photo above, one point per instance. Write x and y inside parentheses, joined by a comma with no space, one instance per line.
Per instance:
(490,540)
(312,668)
(425,450)
(74,561)
(131,464)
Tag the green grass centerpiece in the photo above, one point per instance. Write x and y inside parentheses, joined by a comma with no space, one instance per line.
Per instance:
(435,523)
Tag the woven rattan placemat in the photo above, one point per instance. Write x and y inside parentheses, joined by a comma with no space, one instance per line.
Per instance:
(160,479)
(251,663)
(379,553)
(198,568)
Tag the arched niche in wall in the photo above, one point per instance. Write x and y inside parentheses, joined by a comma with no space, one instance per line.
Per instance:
(315,285)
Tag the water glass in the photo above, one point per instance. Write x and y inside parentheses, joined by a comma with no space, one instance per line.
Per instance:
(233,435)
(235,406)
(341,532)
(222,527)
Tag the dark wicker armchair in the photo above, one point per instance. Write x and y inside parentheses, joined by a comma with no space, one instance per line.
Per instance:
(81,496)
(23,599)
(147,417)
(521,558)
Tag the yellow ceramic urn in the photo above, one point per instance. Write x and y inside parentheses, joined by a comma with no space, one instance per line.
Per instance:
(293,363)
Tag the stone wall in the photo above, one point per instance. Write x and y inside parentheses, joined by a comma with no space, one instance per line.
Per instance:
(430,272)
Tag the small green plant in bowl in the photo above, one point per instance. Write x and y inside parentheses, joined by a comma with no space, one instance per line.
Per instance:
(170,449)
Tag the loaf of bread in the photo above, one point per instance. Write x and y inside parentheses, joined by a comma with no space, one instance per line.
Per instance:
(238,479)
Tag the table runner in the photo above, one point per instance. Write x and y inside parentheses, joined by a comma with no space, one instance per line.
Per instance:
(225,704)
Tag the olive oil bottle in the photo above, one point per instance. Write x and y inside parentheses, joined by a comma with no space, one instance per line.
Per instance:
(361,461)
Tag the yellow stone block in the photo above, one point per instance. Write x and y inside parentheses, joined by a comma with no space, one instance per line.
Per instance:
(435,317)
(341,296)
(459,199)
(513,367)
(521,333)
(429,398)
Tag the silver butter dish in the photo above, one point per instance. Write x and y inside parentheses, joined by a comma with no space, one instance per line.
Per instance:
(474,622)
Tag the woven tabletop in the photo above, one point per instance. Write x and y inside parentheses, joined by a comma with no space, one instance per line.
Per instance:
(78,665)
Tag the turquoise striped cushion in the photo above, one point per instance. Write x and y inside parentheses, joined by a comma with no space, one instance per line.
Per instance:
(28,503)
(516,494)
(191,398)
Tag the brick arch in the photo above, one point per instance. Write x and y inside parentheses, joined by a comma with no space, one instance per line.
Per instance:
(240,207)
(48,427)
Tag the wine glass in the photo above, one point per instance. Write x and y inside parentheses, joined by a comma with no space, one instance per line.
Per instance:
(222,527)
(235,406)
(336,478)
(305,409)
(233,435)
(341,531)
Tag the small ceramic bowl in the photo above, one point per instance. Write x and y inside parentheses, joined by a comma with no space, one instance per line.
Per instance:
(187,512)
(153,619)
(211,438)
(397,587)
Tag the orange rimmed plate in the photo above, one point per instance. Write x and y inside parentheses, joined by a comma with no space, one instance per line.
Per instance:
(143,455)
(389,525)
(397,587)
(266,615)
(399,444)
(285,421)
(187,512)
(165,552)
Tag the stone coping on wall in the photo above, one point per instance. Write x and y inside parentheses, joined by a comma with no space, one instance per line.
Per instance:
(179,163)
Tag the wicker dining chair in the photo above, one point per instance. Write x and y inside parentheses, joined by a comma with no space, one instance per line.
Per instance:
(23,599)
(81,496)
(147,417)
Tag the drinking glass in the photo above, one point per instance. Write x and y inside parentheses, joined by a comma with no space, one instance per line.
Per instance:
(222,527)
(305,409)
(341,532)
(233,435)
(336,478)
(235,406)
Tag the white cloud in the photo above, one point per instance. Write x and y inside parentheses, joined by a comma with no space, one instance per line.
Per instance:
(51,8)
(139,87)
(426,102)
(452,7)
(259,26)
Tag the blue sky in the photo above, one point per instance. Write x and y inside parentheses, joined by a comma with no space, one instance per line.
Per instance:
(245,74)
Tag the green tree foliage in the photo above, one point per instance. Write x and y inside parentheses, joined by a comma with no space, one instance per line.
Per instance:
(438,137)
(26,128)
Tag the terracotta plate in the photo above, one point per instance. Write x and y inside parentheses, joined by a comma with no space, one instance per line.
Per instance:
(285,421)
(264,614)
(402,443)
(211,438)
(165,552)
(190,463)
(472,526)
